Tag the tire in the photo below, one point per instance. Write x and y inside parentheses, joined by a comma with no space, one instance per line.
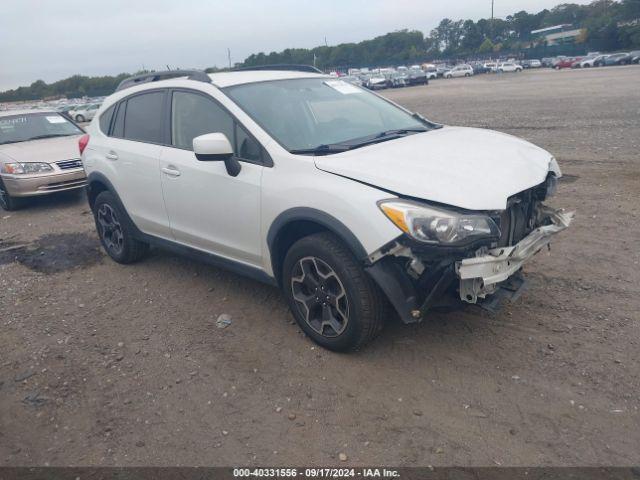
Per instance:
(7,202)
(79,118)
(467,75)
(354,309)
(115,230)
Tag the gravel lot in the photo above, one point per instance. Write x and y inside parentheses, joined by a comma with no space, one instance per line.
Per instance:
(102,364)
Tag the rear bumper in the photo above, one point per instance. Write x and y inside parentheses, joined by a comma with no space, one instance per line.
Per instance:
(479,276)
(34,185)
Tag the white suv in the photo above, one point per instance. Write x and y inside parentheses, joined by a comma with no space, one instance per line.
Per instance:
(459,71)
(509,67)
(346,201)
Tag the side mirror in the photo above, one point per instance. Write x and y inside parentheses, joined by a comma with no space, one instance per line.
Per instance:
(215,147)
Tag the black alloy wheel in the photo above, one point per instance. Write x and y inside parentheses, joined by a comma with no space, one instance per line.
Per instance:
(110,229)
(320,297)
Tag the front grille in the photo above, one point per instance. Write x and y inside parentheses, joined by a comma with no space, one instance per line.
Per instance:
(69,164)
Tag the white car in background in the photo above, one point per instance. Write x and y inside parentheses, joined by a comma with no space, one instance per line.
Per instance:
(593,61)
(459,71)
(345,200)
(84,113)
(509,67)
(491,67)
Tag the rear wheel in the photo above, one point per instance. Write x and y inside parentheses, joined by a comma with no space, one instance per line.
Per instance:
(7,202)
(80,118)
(115,232)
(330,295)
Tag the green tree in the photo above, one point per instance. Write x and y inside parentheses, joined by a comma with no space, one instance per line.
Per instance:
(486,46)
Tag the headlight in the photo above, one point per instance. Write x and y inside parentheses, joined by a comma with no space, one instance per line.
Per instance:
(434,225)
(24,168)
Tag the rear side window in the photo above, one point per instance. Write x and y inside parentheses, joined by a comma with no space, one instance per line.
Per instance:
(143,118)
(105,119)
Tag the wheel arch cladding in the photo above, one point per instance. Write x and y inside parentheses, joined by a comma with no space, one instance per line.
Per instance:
(296,223)
(96,184)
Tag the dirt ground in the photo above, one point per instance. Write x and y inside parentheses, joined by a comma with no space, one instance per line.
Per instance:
(102,364)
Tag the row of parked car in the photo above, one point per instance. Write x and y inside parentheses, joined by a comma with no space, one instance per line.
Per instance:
(593,60)
(375,79)
(421,74)
(80,113)
(387,77)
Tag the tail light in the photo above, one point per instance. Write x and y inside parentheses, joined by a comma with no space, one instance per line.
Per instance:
(83,142)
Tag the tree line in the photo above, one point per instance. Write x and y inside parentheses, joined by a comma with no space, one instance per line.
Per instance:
(607,25)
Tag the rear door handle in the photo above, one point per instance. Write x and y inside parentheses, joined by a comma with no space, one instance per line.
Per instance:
(112,155)
(172,172)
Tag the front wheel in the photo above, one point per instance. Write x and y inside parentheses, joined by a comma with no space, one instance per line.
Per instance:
(7,202)
(80,118)
(115,232)
(332,298)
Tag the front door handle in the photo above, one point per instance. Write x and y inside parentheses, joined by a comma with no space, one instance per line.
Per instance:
(112,155)
(172,172)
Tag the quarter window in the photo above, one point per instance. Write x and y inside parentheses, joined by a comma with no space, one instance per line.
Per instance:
(118,124)
(143,118)
(105,119)
(246,147)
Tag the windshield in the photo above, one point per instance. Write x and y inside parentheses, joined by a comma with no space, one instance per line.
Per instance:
(31,126)
(311,113)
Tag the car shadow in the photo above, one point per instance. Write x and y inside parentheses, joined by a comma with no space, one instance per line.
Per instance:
(439,332)
(72,198)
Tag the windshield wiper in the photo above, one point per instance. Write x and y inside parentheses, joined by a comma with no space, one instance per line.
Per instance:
(322,149)
(400,131)
(428,123)
(369,140)
(48,135)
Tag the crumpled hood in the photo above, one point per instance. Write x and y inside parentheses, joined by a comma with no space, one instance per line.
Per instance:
(48,150)
(468,168)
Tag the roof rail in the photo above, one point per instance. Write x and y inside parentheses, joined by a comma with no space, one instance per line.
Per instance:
(197,75)
(283,66)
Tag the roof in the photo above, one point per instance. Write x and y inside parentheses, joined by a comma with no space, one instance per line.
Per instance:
(548,29)
(8,113)
(228,79)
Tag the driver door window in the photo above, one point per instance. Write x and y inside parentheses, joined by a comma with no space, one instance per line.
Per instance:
(193,115)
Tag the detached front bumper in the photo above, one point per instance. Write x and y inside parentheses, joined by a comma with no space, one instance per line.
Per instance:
(480,276)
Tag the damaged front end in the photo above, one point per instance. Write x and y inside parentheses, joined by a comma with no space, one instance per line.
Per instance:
(483,274)
(418,277)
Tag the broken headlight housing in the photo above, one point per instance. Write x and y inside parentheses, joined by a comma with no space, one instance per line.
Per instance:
(438,226)
(25,168)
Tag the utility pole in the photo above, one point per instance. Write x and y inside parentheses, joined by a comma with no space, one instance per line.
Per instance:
(492,20)
(229,57)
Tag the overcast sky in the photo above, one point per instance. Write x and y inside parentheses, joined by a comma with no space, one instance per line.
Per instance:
(53,39)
